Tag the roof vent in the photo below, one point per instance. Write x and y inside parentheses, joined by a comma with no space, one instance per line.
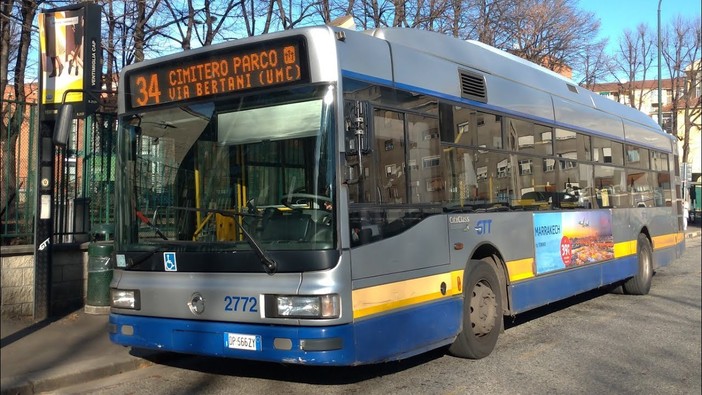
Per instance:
(473,86)
(572,88)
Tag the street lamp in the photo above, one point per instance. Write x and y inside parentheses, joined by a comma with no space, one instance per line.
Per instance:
(660,103)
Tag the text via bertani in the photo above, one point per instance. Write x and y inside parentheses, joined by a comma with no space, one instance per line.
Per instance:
(220,73)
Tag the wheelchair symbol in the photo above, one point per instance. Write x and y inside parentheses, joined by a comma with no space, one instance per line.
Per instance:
(169,262)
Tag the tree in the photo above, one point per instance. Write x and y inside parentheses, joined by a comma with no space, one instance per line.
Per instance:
(484,20)
(595,64)
(633,60)
(551,33)
(11,121)
(681,49)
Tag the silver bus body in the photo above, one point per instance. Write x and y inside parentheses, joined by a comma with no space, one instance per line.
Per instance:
(402,295)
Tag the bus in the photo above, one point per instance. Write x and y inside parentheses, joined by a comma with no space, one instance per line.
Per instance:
(326,196)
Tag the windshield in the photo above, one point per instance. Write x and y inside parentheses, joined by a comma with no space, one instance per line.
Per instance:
(212,176)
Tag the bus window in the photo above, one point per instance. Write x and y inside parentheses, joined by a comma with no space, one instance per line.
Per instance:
(607,151)
(572,145)
(478,179)
(475,128)
(529,138)
(423,164)
(637,157)
(536,188)
(610,184)
(389,145)
(577,181)
(659,161)
(662,188)
(639,183)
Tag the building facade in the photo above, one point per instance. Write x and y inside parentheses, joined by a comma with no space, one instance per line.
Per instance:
(676,116)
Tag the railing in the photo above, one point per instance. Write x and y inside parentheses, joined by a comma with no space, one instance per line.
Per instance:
(18,172)
(85,169)
(83,177)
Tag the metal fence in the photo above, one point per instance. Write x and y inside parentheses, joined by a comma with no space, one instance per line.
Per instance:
(18,170)
(85,180)
(83,177)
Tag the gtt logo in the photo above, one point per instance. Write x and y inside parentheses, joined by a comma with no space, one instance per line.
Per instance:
(483,226)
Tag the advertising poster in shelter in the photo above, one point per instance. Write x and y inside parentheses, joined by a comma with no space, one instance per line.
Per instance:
(570,239)
(70,52)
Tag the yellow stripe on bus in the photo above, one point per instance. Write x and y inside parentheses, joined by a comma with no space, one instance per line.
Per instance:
(520,269)
(624,248)
(385,297)
(665,241)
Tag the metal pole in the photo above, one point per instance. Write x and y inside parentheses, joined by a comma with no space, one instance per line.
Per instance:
(660,103)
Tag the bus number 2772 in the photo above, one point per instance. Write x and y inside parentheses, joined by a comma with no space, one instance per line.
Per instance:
(241,303)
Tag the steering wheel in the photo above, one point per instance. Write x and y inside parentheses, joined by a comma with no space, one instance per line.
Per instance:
(314,201)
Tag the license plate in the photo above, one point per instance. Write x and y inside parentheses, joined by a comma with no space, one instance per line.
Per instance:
(240,341)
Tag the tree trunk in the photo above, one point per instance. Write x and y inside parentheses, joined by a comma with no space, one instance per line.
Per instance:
(28,11)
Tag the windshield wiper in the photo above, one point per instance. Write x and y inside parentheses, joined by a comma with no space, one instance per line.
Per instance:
(269,265)
(148,223)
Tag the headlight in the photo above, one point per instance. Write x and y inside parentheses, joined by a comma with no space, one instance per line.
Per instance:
(308,306)
(125,299)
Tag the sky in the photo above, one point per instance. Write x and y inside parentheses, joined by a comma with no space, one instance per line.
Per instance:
(616,16)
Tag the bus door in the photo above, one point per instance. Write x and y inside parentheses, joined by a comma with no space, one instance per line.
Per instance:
(395,226)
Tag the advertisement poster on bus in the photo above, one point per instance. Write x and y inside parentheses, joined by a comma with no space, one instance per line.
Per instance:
(569,239)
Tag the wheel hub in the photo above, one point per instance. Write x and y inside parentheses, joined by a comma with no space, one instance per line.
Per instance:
(483,309)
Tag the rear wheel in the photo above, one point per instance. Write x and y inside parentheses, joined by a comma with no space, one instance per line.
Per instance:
(640,284)
(482,312)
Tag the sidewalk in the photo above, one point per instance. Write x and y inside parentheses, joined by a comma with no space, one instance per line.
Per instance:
(49,355)
(46,356)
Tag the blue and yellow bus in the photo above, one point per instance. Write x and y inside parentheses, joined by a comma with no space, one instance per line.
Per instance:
(330,197)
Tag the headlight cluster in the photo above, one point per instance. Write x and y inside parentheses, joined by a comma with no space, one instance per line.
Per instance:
(305,306)
(125,299)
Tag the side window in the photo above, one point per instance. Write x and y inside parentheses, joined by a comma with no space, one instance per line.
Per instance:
(607,151)
(536,188)
(475,128)
(478,178)
(529,138)
(640,188)
(661,189)
(424,162)
(572,145)
(389,147)
(577,183)
(610,187)
(637,157)
(659,161)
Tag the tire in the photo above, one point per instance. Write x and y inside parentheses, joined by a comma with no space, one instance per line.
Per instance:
(640,284)
(482,312)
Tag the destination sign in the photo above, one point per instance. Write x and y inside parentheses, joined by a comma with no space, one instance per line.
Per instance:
(231,70)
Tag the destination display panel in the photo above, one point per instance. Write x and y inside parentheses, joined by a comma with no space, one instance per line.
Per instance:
(237,69)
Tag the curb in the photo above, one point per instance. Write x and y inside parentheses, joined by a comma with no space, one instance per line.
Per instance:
(60,377)
(81,372)
(692,235)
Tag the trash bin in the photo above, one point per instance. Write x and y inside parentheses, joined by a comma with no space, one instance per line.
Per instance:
(100,268)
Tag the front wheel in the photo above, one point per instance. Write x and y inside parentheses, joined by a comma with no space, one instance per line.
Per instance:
(640,284)
(482,312)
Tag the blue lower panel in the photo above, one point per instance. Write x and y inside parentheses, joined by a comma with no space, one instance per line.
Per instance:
(665,256)
(207,338)
(387,337)
(408,332)
(549,288)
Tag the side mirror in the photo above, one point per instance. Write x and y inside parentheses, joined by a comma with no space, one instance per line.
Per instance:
(357,139)
(63,125)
